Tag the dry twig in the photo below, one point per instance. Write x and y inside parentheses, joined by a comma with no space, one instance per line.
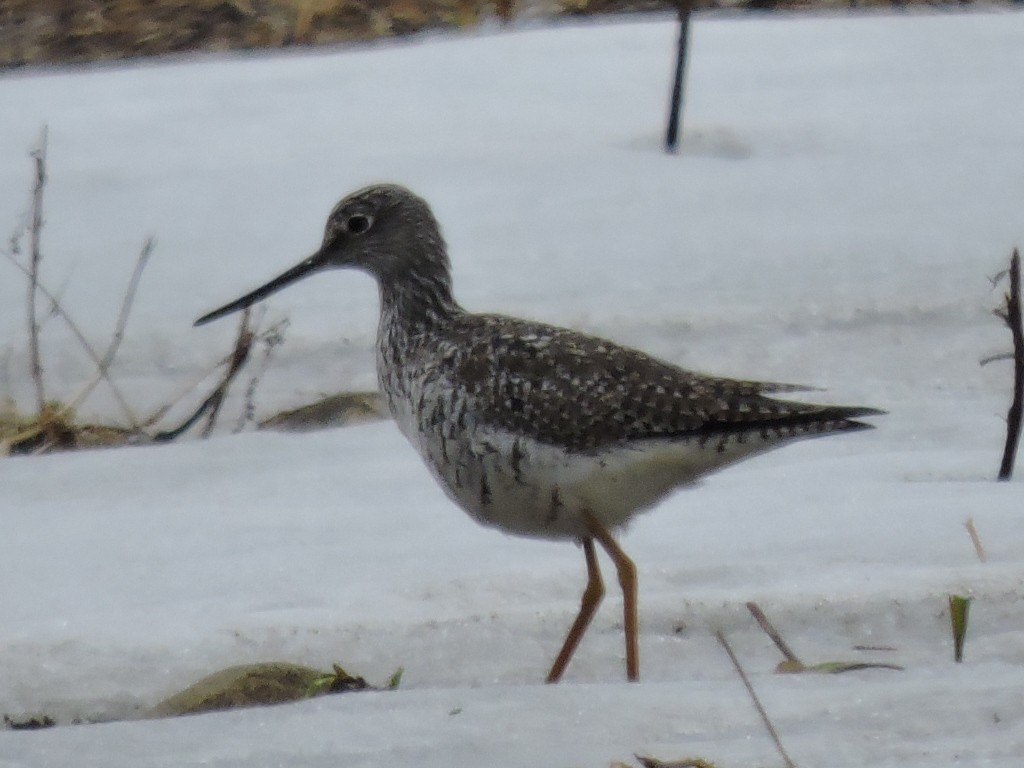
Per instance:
(52,419)
(211,405)
(35,256)
(36,288)
(975,539)
(243,346)
(757,702)
(687,762)
(57,309)
(184,392)
(770,630)
(103,365)
(793,665)
(1011,315)
(271,339)
(129,298)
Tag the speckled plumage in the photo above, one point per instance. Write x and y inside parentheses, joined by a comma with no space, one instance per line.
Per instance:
(534,429)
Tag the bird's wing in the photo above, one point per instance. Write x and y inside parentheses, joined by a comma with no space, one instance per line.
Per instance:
(521,375)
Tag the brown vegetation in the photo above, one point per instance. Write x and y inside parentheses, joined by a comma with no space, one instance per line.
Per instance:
(76,31)
(48,31)
(52,425)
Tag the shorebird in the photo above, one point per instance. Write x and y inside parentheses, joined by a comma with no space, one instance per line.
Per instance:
(533,429)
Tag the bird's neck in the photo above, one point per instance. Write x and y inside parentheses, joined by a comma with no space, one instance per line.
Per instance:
(414,316)
(417,302)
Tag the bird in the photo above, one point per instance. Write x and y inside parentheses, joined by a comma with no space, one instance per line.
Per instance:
(533,429)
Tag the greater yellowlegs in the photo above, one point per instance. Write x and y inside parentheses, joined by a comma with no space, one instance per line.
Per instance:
(533,429)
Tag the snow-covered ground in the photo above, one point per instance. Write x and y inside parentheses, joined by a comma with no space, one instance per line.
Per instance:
(846,186)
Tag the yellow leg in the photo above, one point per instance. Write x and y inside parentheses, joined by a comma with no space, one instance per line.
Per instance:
(627,580)
(592,595)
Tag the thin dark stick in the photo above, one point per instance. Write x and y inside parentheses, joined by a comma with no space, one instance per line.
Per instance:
(211,405)
(182,393)
(757,702)
(57,309)
(271,338)
(35,256)
(770,630)
(115,341)
(998,357)
(1012,318)
(186,425)
(238,359)
(975,539)
(129,298)
(676,107)
(687,762)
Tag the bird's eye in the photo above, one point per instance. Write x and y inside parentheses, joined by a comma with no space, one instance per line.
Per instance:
(357,224)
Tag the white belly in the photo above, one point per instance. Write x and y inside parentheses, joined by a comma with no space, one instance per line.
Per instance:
(529,488)
(533,489)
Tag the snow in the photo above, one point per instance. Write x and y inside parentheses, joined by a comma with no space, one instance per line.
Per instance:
(846,186)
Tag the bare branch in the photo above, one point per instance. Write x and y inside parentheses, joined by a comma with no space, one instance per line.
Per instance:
(979,550)
(183,392)
(211,405)
(73,327)
(769,629)
(995,358)
(187,424)
(35,256)
(129,298)
(272,338)
(103,366)
(757,702)
(998,277)
(1014,322)
(31,272)
(238,358)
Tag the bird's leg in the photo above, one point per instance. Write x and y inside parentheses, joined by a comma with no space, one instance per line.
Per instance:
(592,595)
(627,580)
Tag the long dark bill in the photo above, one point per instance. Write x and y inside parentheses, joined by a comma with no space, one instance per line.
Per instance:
(296,273)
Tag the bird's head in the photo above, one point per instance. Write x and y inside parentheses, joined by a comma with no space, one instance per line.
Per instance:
(384,230)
